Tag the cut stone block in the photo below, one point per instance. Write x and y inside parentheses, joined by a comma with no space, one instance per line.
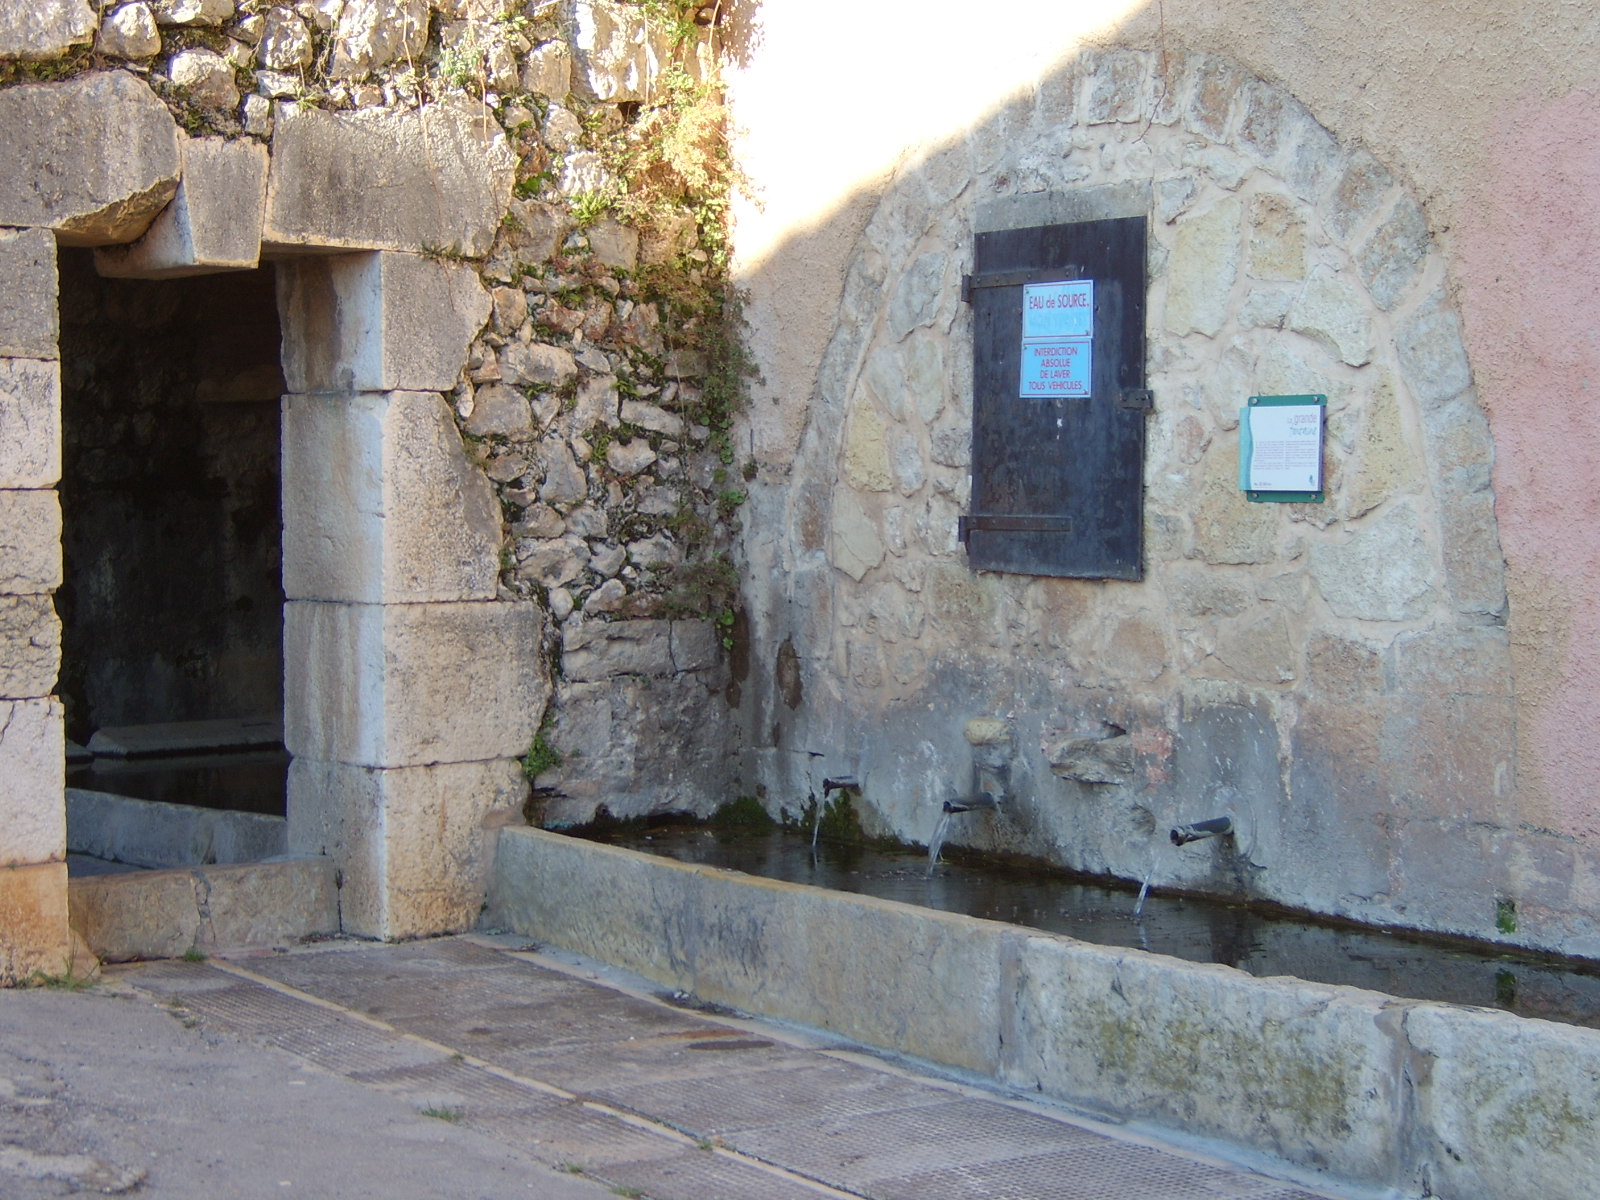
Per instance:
(164,914)
(147,833)
(30,647)
(30,423)
(377,179)
(413,846)
(30,542)
(34,935)
(212,224)
(381,503)
(44,29)
(33,823)
(187,737)
(412,684)
(378,322)
(94,158)
(29,327)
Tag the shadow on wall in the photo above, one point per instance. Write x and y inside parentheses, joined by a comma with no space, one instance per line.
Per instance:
(1341,668)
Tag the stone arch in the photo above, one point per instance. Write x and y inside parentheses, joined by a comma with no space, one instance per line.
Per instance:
(1281,260)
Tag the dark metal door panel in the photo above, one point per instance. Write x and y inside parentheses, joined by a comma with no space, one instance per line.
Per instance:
(1058,483)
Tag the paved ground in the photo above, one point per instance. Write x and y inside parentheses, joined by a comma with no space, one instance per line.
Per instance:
(461,1068)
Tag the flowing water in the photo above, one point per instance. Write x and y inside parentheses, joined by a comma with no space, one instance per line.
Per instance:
(1101,911)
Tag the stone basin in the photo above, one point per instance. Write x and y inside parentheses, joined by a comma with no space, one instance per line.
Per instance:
(1352,1086)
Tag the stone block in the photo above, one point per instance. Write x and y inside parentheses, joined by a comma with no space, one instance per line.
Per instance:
(1507,1106)
(34,934)
(33,823)
(413,846)
(1383,573)
(381,503)
(380,179)
(617,54)
(412,684)
(596,650)
(166,914)
(212,224)
(1332,312)
(29,327)
(30,647)
(129,32)
(44,29)
(146,833)
(1433,358)
(1299,1071)
(1391,258)
(377,322)
(1205,261)
(94,158)
(30,542)
(371,33)
(30,423)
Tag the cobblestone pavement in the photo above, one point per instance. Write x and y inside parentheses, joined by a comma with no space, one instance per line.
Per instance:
(487,1072)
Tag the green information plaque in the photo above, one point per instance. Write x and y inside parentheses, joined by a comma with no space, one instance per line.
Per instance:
(1280,448)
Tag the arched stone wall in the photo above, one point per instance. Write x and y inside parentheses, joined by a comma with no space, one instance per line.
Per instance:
(1337,675)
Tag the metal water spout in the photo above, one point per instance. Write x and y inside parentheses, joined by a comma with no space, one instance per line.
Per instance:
(843,783)
(977,803)
(1198,831)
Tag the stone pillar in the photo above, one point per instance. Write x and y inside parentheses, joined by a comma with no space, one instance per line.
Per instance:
(410,687)
(34,935)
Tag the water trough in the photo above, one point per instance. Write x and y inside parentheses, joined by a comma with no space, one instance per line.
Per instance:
(1417,1097)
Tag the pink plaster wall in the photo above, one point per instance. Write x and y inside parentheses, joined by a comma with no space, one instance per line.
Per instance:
(1529,253)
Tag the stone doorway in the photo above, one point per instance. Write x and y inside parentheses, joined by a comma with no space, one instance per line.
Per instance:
(172,598)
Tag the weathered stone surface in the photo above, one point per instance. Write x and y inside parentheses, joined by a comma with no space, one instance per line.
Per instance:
(1335,314)
(866,451)
(29,327)
(652,417)
(564,481)
(615,244)
(30,542)
(1293,1069)
(856,544)
(30,423)
(409,684)
(1385,572)
(1228,529)
(371,33)
(552,563)
(1115,86)
(1358,195)
(165,914)
(438,177)
(381,503)
(1433,359)
(33,825)
(1092,760)
(30,646)
(537,365)
(1528,1089)
(129,32)
(44,29)
(1276,247)
(548,71)
(193,12)
(413,846)
(285,41)
(213,223)
(1391,259)
(33,913)
(1205,261)
(205,77)
(501,412)
(150,834)
(617,54)
(1385,463)
(596,650)
(94,158)
(629,458)
(377,322)
(917,296)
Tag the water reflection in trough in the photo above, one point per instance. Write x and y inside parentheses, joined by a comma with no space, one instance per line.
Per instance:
(1100,911)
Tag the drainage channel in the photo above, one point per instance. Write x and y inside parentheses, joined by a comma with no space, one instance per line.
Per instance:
(1093,910)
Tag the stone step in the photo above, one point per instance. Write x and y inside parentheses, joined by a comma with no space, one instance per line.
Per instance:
(187,737)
